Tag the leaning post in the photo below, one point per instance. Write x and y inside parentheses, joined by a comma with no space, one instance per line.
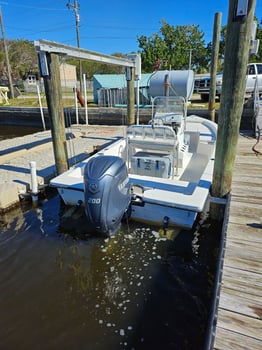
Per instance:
(240,19)
(55,108)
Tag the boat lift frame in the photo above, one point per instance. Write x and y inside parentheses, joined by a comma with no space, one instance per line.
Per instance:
(48,57)
(45,46)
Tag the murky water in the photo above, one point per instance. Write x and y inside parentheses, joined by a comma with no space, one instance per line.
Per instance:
(10,131)
(137,290)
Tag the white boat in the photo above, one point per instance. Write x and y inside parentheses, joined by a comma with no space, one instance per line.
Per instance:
(158,173)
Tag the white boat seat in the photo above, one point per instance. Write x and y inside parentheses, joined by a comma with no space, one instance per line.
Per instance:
(147,137)
(152,150)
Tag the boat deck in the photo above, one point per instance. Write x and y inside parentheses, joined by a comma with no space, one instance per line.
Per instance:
(239,321)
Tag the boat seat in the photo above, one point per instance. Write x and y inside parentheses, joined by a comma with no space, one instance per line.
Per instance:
(151,150)
(147,137)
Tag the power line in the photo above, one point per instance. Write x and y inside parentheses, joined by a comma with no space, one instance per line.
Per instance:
(31,7)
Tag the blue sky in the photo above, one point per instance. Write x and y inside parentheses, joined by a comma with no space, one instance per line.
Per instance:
(107,26)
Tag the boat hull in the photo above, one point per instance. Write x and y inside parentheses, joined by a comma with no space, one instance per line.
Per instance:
(148,213)
(175,200)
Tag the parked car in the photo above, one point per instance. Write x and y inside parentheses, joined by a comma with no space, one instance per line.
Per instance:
(253,77)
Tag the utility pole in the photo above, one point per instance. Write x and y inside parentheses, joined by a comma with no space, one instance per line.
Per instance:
(238,39)
(7,57)
(76,8)
(190,59)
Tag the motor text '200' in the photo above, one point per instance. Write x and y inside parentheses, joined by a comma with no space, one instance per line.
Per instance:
(94,200)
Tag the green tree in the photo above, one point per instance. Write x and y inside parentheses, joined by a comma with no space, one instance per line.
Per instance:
(258,56)
(22,58)
(153,49)
(172,47)
(253,58)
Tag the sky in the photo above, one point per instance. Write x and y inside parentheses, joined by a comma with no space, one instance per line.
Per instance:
(108,26)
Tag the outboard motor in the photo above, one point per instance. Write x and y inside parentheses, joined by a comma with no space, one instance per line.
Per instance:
(107,192)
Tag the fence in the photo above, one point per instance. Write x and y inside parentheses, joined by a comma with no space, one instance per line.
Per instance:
(118,96)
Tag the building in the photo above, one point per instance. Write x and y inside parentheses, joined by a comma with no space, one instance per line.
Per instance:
(110,89)
(67,74)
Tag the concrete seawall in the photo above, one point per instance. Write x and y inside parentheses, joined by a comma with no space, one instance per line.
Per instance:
(96,116)
(16,155)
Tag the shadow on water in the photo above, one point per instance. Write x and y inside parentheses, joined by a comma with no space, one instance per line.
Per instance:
(12,131)
(136,290)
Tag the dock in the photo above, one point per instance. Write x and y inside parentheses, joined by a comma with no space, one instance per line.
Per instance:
(239,311)
(16,155)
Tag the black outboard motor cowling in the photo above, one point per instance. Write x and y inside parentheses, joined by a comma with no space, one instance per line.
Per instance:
(107,192)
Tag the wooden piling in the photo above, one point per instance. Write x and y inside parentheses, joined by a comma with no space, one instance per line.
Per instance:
(55,108)
(131,96)
(232,98)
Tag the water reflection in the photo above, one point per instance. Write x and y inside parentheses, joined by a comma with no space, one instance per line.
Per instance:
(137,290)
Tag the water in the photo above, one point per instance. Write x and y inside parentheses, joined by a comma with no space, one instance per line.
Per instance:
(137,290)
(9,132)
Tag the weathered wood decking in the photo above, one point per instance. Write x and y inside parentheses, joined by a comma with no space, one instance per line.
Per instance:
(239,322)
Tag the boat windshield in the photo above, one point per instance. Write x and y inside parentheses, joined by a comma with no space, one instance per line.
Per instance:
(168,105)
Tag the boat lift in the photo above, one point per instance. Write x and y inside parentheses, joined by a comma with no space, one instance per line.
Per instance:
(48,55)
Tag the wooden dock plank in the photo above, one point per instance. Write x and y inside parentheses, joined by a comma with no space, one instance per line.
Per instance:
(240,324)
(245,303)
(242,264)
(242,282)
(251,233)
(247,214)
(251,199)
(243,250)
(228,340)
(239,316)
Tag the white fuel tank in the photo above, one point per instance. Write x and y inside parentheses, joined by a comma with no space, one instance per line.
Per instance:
(172,83)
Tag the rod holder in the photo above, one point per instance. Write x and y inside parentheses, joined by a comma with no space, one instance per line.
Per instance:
(34,184)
